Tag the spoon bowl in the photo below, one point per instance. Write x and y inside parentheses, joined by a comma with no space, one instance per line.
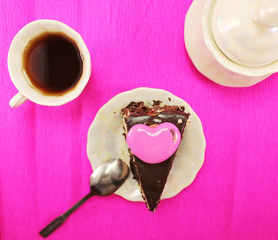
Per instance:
(108,177)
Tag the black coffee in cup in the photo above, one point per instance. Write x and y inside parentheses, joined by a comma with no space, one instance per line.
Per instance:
(53,63)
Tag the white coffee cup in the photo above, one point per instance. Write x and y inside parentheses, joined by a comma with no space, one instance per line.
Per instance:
(21,81)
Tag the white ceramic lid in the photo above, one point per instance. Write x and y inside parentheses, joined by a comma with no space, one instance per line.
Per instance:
(246,31)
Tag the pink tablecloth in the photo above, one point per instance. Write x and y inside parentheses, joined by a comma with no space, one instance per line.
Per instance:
(44,167)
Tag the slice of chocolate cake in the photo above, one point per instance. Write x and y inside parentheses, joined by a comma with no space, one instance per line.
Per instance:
(162,128)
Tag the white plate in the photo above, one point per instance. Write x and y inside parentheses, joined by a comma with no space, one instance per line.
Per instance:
(106,140)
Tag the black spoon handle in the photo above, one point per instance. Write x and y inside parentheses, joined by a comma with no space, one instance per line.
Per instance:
(57,222)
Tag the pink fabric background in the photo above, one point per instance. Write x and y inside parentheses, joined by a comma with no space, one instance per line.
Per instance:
(44,167)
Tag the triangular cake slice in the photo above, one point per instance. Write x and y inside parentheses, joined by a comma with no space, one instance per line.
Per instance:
(152,177)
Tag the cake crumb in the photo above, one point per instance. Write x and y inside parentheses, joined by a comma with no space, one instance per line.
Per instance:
(156,102)
(180,121)
(169,99)
(182,108)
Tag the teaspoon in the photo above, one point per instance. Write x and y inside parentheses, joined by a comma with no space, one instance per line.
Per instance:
(104,181)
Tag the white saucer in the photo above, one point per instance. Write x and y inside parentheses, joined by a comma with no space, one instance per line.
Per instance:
(106,140)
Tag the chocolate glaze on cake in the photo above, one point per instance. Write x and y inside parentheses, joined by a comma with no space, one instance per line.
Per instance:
(152,177)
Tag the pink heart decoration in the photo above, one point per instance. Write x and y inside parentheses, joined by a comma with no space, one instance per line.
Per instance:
(153,144)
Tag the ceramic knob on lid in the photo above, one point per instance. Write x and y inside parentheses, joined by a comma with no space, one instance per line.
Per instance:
(246,31)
